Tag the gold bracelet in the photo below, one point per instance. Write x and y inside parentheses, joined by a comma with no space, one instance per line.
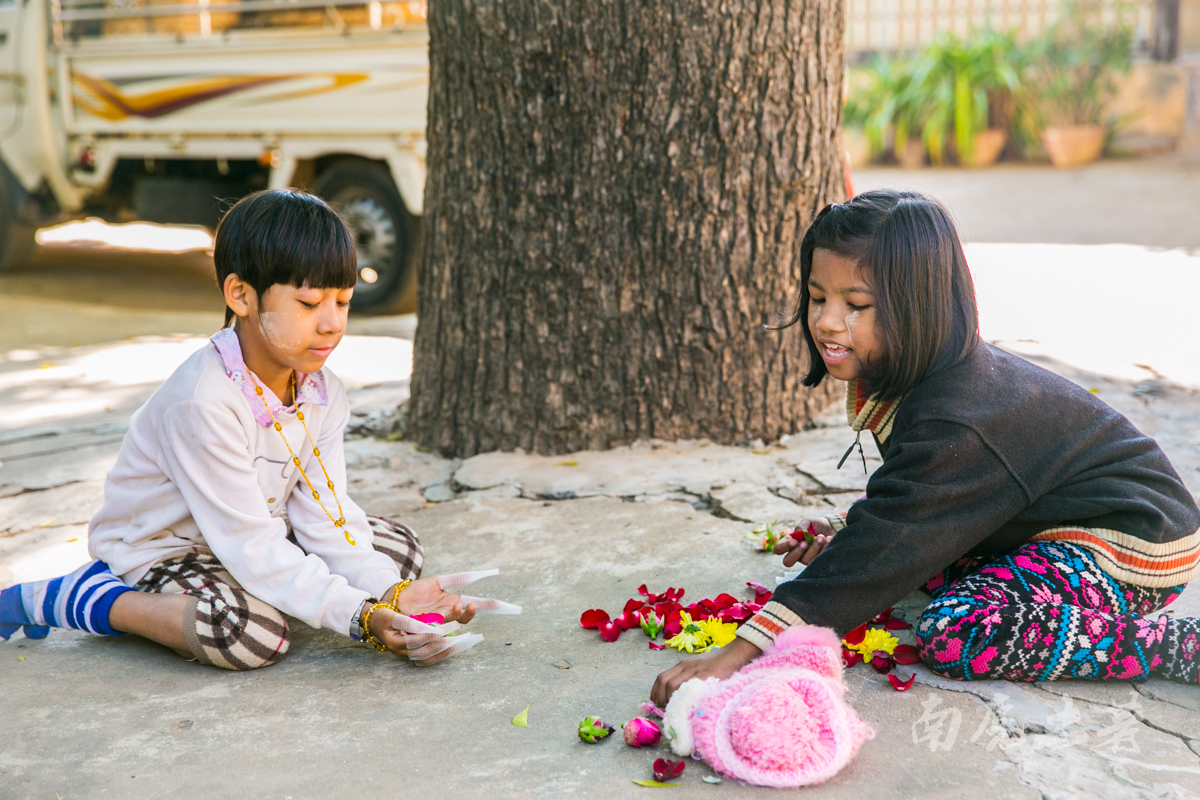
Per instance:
(366,623)
(400,587)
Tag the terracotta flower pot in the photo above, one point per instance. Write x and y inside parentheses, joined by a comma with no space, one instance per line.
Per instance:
(988,145)
(1073,146)
(913,156)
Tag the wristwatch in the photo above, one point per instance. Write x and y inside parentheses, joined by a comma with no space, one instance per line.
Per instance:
(356,629)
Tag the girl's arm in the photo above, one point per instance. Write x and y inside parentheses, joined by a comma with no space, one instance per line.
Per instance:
(206,454)
(941,491)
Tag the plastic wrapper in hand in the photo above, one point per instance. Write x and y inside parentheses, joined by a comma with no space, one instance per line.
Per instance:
(428,644)
(485,605)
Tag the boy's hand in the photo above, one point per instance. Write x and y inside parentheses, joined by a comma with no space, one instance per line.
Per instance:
(426,596)
(719,663)
(794,548)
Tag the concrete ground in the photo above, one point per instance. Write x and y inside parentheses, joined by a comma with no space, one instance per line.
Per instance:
(87,717)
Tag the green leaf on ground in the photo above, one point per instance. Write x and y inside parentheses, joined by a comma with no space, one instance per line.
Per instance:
(522,720)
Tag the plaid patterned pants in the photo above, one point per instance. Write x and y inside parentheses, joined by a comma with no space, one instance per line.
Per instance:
(231,628)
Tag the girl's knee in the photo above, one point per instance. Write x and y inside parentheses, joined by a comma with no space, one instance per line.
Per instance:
(241,635)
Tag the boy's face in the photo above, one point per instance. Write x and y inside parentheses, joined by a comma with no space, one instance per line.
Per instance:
(841,315)
(299,327)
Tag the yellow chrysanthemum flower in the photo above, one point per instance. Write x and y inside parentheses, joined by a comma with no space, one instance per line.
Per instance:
(692,637)
(720,633)
(876,639)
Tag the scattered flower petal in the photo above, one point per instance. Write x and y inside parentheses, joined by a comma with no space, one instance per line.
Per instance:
(874,639)
(896,624)
(634,604)
(656,646)
(654,783)
(899,685)
(882,616)
(758,589)
(429,619)
(855,636)
(691,636)
(906,654)
(593,729)
(882,661)
(651,710)
(592,618)
(665,769)
(641,732)
(522,720)
(609,631)
(626,621)
(851,657)
(719,633)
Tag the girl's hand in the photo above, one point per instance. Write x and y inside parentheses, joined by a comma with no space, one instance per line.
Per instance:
(719,663)
(793,548)
(426,596)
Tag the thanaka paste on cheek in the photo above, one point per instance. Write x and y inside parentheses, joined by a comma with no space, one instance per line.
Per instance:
(274,329)
(850,321)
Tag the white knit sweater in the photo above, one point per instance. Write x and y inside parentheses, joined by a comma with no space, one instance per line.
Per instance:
(198,472)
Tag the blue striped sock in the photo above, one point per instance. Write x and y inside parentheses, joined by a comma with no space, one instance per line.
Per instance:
(81,600)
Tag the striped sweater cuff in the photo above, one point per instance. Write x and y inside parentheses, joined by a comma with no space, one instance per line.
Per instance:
(761,629)
(838,521)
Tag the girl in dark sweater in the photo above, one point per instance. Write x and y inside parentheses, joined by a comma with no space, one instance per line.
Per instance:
(1045,526)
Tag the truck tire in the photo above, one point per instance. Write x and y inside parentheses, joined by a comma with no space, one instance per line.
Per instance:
(16,233)
(367,198)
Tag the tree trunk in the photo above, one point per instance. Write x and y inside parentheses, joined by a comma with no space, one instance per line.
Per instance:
(616,196)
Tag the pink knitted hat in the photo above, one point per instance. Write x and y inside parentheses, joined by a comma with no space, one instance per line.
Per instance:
(781,720)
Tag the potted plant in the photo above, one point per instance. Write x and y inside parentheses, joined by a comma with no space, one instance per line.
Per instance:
(885,104)
(969,85)
(1072,75)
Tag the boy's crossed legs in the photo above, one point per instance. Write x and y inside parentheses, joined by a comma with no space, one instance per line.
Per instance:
(192,604)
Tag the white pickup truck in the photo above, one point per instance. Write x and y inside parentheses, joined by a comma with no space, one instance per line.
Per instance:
(170,110)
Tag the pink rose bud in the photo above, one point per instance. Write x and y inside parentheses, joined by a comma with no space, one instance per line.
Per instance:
(640,732)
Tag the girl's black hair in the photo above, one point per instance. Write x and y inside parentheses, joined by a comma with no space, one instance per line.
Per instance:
(908,250)
(284,236)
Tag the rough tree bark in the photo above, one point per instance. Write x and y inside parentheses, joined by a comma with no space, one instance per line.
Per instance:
(616,195)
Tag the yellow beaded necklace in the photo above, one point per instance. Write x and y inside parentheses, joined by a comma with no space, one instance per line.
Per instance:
(340,522)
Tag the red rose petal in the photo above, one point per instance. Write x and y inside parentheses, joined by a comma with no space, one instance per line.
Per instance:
(882,662)
(758,587)
(657,646)
(609,631)
(857,635)
(906,654)
(899,685)
(592,618)
(882,616)
(634,604)
(626,621)
(895,624)
(851,657)
(723,601)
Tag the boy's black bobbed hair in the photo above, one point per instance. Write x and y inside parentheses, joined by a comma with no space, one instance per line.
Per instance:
(284,236)
(908,250)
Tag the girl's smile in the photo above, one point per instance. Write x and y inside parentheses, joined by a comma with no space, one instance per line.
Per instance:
(841,315)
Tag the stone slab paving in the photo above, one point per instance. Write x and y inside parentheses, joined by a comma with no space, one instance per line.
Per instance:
(87,717)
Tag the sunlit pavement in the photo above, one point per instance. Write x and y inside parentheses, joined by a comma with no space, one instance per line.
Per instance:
(1109,314)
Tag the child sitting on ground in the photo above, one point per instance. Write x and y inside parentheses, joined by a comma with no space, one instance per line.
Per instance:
(195,551)
(1045,526)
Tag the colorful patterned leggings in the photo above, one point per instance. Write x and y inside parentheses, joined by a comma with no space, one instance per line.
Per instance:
(1047,611)
(232,628)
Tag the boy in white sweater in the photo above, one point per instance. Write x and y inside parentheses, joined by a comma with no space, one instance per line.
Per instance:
(192,545)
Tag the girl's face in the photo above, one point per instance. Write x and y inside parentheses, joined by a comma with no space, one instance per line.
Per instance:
(841,315)
(297,328)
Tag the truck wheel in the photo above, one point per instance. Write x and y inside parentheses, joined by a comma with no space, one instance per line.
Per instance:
(16,235)
(366,197)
